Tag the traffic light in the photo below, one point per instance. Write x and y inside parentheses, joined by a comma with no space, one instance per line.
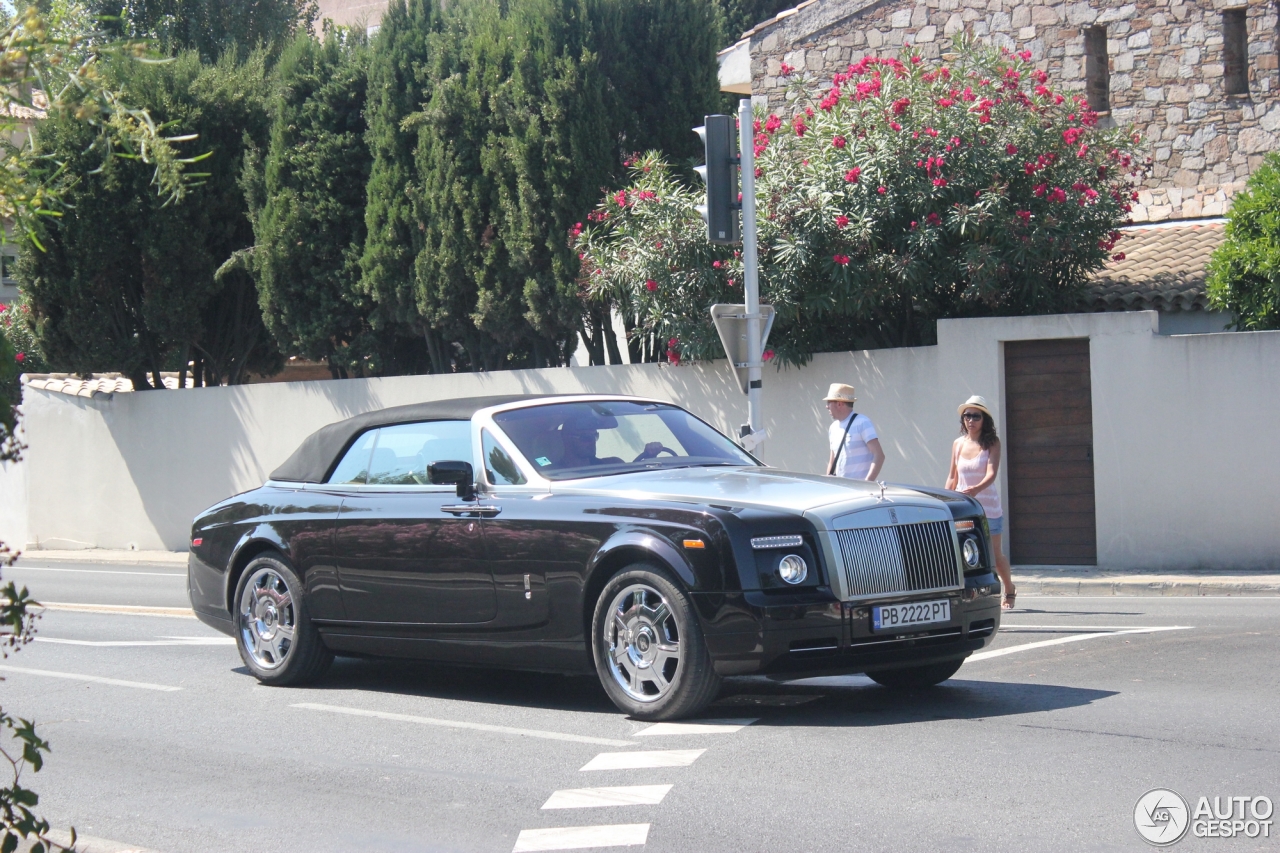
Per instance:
(721,177)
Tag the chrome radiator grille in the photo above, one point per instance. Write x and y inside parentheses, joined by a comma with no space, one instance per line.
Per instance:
(901,558)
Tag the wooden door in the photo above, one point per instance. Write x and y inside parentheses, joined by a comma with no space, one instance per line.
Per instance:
(1049,446)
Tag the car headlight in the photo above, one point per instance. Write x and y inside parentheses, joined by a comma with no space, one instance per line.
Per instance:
(793,569)
(972,553)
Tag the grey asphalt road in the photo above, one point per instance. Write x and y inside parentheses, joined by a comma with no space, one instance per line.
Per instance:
(1046,747)
(101,583)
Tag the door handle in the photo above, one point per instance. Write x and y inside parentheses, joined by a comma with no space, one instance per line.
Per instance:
(482,510)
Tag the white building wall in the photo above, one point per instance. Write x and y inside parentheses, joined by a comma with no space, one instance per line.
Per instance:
(1187,474)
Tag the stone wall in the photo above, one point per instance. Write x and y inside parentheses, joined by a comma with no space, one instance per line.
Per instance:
(1167,69)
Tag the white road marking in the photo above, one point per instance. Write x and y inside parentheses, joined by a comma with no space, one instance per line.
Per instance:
(25,568)
(120,609)
(1074,628)
(833,681)
(637,760)
(97,679)
(581,837)
(175,641)
(701,727)
(1075,638)
(589,798)
(459,724)
(769,700)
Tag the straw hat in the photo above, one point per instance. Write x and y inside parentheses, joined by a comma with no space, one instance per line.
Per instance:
(976,402)
(840,393)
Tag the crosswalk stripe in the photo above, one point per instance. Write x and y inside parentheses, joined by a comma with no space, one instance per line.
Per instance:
(638,760)
(587,798)
(581,837)
(701,727)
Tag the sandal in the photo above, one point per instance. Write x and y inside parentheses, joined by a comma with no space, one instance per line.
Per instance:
(1009,599)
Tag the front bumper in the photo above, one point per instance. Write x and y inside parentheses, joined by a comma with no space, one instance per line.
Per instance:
(756,633)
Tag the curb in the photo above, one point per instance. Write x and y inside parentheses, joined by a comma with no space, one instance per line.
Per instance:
(106,556)
(1136,585)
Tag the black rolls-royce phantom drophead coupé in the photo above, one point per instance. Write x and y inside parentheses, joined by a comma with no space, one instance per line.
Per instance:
(579,534)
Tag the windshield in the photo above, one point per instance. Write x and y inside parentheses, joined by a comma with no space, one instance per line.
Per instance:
(565,441)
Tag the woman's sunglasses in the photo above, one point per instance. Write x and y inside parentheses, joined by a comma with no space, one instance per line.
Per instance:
(972,416)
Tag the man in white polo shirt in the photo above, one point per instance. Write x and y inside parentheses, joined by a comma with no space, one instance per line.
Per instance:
(855,447)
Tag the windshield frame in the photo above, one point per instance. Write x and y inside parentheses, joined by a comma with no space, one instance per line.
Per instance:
(537,481)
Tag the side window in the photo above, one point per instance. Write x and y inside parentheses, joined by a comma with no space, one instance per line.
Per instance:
(403,452)
(354,466)
(498,464)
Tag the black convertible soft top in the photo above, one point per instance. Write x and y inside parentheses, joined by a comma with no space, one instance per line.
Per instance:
(316,456)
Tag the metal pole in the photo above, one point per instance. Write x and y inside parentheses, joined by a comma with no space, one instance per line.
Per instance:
(750,280)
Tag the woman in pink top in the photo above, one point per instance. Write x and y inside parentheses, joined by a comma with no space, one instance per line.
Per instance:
(975,464)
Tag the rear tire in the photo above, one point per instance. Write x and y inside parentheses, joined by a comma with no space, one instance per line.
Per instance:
(648,646)
(274,633)
(917,676)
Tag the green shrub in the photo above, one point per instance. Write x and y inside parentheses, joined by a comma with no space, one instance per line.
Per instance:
(1244,273)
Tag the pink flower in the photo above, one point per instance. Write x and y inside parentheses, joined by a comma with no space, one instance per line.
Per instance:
(842,260)
(1025,55)
(838,141)
(647,195)
(1118,256)
(787,70)
(882,190)
(900,106)
(621,198)
(853,175)
(913,225)
(799,125)
(939,182)
(1071,134)
(767,355)
(22,356)
(772,123)
(842,221)
(1057,195)
(945,102)
(651,285)
(895,125)
(933,219)
(716,265)
(1011,149)
(1040,190)
(1024,215)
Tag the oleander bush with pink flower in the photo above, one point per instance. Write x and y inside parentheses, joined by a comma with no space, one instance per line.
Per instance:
(898,193)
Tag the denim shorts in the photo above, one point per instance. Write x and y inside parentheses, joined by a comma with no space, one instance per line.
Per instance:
(996,525)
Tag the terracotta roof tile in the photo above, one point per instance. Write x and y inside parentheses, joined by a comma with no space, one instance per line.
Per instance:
(1163,268)
(97,385)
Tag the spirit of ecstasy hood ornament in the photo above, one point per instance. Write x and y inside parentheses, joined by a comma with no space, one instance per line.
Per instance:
(883,486)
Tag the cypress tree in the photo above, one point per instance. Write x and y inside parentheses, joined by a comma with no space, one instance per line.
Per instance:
(134,284)
(309,224)
(397,87)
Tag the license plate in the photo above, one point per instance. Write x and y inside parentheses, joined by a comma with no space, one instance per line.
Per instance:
(895,617)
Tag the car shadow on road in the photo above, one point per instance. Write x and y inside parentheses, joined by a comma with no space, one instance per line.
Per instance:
(856,701)
(469,684)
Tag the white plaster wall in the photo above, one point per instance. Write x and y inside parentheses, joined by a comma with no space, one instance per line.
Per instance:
(1186,470)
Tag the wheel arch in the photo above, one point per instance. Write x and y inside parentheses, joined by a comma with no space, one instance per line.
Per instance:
(622,550)
(252,545)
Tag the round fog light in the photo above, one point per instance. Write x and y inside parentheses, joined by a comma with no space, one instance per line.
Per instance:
(971,552)
(793,568)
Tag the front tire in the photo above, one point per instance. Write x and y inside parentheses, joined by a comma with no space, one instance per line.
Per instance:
(648,647)
(917,676)
(274,633)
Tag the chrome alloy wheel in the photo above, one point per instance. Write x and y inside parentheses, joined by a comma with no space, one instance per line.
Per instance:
(267,618)
(643,640)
